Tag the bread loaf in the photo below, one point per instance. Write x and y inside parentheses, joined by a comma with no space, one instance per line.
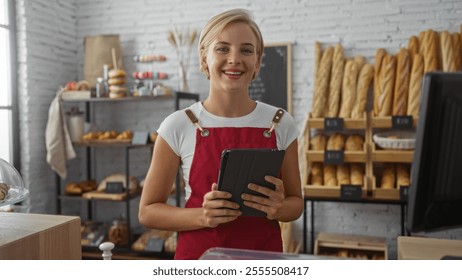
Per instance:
(322,83)
(360,61)
(447,52)
(386,84)
(336,142)
(388,177)
(348,89)
(402,175)
(431,57)
(356,174)
(403,70)
(316,174)
(318,142)
(335,84)
(317,57)
(380,54)
(413,47)
(354,142)
(343,174)
(457,46)
(330,175)
(422,42)
(364,81)
(415,86)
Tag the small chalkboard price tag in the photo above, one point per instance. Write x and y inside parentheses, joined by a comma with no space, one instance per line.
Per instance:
(333,157)
(403,193)
(401,122)
(351,192)
(333,124)
(140,137)
(155,244)
(114,187)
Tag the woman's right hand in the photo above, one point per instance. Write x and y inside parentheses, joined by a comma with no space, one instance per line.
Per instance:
(217,209)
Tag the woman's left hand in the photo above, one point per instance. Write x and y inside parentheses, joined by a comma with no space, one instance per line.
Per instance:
(272,204)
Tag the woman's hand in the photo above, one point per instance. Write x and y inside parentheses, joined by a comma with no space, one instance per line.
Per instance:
(217,210)
(272,204)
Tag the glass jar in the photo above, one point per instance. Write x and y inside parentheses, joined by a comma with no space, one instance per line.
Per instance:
(118,232)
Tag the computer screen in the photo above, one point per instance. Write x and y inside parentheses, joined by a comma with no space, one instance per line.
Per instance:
(435,194)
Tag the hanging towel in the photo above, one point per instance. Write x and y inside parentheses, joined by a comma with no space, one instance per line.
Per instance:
(58,142)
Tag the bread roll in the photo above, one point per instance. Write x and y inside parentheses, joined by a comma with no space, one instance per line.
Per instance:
(316,174)
(388,177)
(356,174)
(457,46)
(403,70)
(379,56)
(447,52)
(335,85)
(415,86)
(330,175)
(386,84)
(318,142)
(402,175)
(431,57)
(413,47)
(364,81)
(322,83)
(343,174)
(336,142)
(354,142)
(348,89)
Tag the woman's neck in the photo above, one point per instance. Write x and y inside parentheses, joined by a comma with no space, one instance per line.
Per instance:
(229,106)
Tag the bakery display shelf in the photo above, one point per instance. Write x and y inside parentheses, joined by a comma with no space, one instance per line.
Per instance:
(101,195)
(348,156)
(318,123)
(386,122)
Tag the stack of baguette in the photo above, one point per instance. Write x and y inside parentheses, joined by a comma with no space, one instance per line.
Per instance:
(341,84)
(336,175)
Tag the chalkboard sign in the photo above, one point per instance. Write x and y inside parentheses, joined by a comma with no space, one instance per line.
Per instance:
(273,85)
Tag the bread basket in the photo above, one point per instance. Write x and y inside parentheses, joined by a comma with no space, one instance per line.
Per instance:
(395,140)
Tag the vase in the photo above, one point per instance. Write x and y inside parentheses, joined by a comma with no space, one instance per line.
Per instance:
(183,77)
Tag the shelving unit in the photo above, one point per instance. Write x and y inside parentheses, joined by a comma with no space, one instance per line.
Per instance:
(89,199)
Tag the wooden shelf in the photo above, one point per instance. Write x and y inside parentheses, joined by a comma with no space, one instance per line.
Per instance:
(318,123)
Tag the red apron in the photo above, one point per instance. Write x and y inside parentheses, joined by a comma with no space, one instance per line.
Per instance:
(253,233)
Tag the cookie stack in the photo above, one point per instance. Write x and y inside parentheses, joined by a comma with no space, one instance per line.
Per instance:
(116,83)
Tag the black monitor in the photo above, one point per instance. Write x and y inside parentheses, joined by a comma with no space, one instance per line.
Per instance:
(435,194)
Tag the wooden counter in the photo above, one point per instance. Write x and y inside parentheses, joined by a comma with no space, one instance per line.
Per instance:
(36,236)
(424,248)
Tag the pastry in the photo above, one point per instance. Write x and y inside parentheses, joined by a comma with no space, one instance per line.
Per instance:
(402,175)
(364,81)
(379,57)
(356,174)
(403,69)
(330,175)
(73,189)
(322,83)
(335,85)
(343,174)
(318,142)
(388,177)
(415,86)
(354,142)
(336,142)
(385,85)
(4,188)
(348,89)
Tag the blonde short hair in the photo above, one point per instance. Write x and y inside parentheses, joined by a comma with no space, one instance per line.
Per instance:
(214,27)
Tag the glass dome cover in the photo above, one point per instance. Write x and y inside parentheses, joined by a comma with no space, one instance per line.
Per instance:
(17,191)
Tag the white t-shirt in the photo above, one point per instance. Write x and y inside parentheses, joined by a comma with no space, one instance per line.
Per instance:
(179,132)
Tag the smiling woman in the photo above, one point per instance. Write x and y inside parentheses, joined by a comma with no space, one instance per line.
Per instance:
(8,109)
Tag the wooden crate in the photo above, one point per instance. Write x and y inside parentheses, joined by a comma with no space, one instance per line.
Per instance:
(351,246)
(327,191)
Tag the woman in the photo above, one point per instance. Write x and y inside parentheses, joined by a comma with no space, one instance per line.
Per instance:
(230,52)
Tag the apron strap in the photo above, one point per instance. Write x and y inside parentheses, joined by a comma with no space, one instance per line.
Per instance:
(195,122)
(277,117)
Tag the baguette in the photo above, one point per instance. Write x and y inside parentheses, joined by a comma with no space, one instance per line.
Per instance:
(348,89)
(343,174)
(335,85)
(386,84)
(388,176)
(336,142)
(317,57)
(318,142)
(415,86)
(457,46)
(360,61)
(316,174)
(403,69)
(364,82)
(322,83)
(447,52)
(354,142)
(356,174)
(380,54)
(430,54)
(422,40)
(413,47)
(330,175)
(402,175)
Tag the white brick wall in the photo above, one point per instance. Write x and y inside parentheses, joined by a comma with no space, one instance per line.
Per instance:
(50,41)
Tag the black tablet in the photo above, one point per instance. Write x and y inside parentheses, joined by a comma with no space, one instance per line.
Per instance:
(239,167)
